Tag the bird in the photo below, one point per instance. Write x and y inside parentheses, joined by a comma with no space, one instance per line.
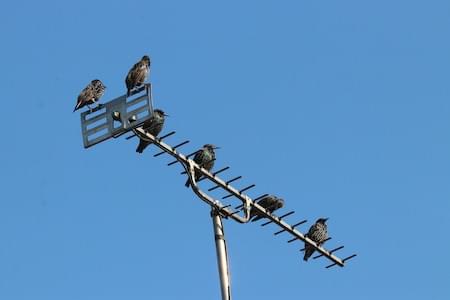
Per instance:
(204,158)
(138,74)
(270,203)
(318,233)
(90,94)
(154,125)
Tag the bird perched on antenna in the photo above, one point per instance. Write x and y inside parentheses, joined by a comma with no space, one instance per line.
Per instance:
(138,74)
(205,158)
(318,233)
(270,203)
(90,94)
(154,125)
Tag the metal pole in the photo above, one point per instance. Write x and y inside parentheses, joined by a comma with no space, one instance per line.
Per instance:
(222,258)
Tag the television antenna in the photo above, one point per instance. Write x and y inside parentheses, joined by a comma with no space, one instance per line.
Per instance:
(127,114)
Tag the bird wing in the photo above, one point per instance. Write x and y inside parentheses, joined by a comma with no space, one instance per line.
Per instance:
(311,231)
(155,127)
(131,76)
(137,74)
(87,94)
(309,250)
(267,202)
(198,157)
(148,124)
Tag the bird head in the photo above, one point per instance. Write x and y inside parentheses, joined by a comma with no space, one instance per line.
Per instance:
(322,220)
(160,112)
(280,203)
(210,147)
(98,83)
(146,59)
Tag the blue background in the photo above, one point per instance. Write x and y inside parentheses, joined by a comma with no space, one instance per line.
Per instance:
(340,107)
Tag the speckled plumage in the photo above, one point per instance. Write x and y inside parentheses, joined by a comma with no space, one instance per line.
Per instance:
(318,233)
(138,74)
(90,94)
(154,125)
(205,158)
(270,203)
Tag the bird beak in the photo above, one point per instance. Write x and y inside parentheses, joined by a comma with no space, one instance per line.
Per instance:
(166,115)
(215,147)
(326,219)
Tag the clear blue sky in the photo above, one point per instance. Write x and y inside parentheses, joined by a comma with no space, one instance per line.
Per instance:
(340,107)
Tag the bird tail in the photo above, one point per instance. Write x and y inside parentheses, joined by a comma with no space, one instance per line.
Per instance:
(308,253)
(257,218)
(128,85)
(77,106)
(141,147)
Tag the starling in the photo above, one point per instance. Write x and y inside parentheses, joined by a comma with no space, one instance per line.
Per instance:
(204,158)
(138,74)
(318,233)
(154,125)
(90,94)
(270,203)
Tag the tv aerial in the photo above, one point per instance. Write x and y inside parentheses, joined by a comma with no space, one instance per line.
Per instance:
(127,114)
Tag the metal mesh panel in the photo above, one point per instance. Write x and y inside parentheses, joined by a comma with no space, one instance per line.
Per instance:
(117,116)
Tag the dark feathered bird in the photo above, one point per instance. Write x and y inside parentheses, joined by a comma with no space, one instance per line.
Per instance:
(204,158)
(318,233)
(270,203)
(138,74)
(90,94)
(154,125)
